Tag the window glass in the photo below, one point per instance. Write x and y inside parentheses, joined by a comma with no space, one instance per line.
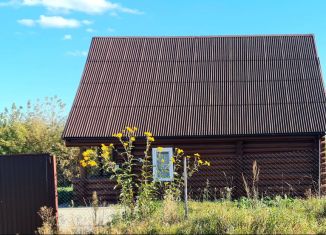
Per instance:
(162,164)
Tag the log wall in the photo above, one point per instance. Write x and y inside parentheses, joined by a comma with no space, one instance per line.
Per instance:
(288,165)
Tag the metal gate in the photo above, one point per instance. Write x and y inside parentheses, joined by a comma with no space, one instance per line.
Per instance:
(27,182)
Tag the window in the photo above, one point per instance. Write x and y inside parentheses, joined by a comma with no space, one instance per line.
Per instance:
(162,164)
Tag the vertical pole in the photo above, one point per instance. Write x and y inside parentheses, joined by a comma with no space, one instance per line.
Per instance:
(54,160)
(239,168)
(81,190)
(82,170)
(185,185)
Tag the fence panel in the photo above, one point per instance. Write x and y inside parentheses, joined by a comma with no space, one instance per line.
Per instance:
(27,182)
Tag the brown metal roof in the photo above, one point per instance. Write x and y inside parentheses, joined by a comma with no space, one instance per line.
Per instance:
(198,86)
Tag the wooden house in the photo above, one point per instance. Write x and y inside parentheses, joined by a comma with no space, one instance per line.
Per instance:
(233,99)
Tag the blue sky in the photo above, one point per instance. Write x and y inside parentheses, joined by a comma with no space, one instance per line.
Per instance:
(44,43)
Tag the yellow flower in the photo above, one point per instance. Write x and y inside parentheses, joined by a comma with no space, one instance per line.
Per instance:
(85,153)
(92,163)
(159,149)
(196,155)
(105,155)
(207,163)
(105,151)
(135,128)
(86,158)
(188,156)
(162,160)
(104,147)
(132,139)
(148,134)
(111,146)
(200,162)
(88,153)
(151,139)
(118,135)
(125,144)
(173,160)
(129,129)
(179,151)
(83,163)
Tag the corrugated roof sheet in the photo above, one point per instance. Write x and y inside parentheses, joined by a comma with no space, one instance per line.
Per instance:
(197,86)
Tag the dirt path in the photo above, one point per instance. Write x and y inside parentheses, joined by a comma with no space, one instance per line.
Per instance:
(81,219)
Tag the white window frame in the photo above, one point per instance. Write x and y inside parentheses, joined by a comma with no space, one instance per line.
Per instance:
(155,152)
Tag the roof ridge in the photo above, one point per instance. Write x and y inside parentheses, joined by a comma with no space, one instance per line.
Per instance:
(214,36)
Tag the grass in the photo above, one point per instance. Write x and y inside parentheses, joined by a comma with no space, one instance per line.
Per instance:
(65,195)
(277,216)
(268,216)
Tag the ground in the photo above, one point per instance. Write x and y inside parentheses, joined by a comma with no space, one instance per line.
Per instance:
(83,218)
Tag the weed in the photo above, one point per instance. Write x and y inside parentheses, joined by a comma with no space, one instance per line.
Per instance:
(252,191)
(48,221)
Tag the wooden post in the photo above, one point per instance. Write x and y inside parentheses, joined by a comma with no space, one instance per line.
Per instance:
(80,190)
(185,185)
(239,169)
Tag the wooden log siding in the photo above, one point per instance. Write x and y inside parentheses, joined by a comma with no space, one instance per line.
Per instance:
(323,165)
(288,165)
(104,187)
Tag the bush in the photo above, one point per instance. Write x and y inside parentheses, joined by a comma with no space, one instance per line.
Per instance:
(37,128)
(65,195)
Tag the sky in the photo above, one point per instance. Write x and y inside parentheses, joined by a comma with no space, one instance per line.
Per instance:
(44,43)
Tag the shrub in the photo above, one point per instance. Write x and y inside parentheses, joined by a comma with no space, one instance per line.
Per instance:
(65,195)
(37,128)
(48,221)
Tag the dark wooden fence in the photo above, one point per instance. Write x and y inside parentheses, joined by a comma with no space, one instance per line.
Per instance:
(27,182)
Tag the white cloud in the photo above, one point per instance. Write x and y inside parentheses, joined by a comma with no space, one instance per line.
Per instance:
(128,10)
(9,3)
(87,22)
(76,53)
(86,6)
(51,22)
(27,22)
(67,37)
(58,22)
(111,29)
(90,30)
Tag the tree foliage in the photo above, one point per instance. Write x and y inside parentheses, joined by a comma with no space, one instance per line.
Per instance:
(37,128)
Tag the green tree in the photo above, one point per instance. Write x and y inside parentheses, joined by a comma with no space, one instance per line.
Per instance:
(37,128)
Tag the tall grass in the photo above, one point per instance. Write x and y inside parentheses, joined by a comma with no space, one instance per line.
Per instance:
(277,216)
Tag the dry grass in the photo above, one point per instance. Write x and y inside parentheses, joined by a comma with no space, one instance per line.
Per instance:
(252,191)
(277,216)
(48,219)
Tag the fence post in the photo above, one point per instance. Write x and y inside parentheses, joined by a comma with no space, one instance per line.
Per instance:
(185,186)
(80,187)
(239,168)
